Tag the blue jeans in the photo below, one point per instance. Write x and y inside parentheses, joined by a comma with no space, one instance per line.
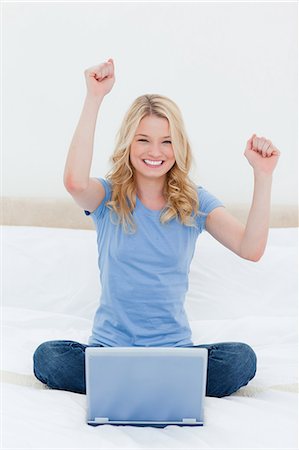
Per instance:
(61,365)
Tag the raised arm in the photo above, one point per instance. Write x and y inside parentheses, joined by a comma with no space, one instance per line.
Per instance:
(249,242)
(88,192)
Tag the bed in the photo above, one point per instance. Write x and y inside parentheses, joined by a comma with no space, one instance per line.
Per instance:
(50,290)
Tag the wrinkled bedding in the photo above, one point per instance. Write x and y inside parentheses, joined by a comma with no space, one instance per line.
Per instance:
(51,290)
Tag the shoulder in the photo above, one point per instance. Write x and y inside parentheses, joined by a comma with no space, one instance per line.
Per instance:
(207,203)
(98,212)
(207,200)
(106,183)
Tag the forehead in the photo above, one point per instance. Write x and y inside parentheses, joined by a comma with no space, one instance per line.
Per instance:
(153,125)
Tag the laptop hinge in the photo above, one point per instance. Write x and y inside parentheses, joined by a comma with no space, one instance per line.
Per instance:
(189,420)
(101,419)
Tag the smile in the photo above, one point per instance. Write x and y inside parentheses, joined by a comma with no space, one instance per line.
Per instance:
(151,163)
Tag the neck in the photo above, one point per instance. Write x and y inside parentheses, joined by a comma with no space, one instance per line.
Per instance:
(150,189)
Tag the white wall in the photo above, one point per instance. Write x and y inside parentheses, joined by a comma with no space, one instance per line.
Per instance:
(230,67)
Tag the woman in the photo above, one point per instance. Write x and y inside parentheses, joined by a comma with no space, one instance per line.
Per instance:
(148,215)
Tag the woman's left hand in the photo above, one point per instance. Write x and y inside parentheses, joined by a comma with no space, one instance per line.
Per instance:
(261,154)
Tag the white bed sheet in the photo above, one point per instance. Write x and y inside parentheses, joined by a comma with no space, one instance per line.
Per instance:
(51,290)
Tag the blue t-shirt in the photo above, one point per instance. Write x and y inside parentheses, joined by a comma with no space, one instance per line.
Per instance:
(144,276)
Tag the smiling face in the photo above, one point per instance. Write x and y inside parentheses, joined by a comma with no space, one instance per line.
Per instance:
(151,152)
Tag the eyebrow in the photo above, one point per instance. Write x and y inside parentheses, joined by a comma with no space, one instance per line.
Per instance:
(165,137)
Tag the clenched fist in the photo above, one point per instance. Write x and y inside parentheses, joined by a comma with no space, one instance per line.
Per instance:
(261,154)
(100,79)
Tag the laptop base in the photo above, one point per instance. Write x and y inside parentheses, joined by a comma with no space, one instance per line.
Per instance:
(144,423)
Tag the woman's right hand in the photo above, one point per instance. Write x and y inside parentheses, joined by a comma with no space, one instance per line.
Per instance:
(100,79)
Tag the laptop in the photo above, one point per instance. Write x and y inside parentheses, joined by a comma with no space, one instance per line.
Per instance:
(145,386)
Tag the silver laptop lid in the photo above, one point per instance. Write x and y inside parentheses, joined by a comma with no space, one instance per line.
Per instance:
(145,385)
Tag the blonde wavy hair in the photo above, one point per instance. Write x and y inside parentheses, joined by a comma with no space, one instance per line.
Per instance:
(181,193)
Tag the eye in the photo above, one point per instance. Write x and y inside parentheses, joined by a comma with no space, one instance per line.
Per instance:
(144,140)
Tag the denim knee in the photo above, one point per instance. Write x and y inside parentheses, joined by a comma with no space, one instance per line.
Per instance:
(44,360)
(231,366)
(249,360)
(244,368)
(40,361)
(61,365)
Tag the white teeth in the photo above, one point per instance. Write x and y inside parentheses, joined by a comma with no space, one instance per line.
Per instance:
(153,163)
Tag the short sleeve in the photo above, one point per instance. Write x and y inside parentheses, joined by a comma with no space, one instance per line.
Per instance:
(97,213)
(207,202)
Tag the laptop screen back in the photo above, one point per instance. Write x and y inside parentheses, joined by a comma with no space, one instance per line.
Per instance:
(145,384)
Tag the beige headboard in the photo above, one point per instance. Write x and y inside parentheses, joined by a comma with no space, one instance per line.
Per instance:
(60,213)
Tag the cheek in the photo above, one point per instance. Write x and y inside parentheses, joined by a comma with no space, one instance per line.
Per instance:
(170,154)
(135,152)
(134,159)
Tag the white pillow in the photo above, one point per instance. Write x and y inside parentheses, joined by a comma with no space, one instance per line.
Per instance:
(224,286)
(51,269)
(55,269)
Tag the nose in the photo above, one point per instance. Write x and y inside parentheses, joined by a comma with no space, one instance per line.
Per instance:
(155,151)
